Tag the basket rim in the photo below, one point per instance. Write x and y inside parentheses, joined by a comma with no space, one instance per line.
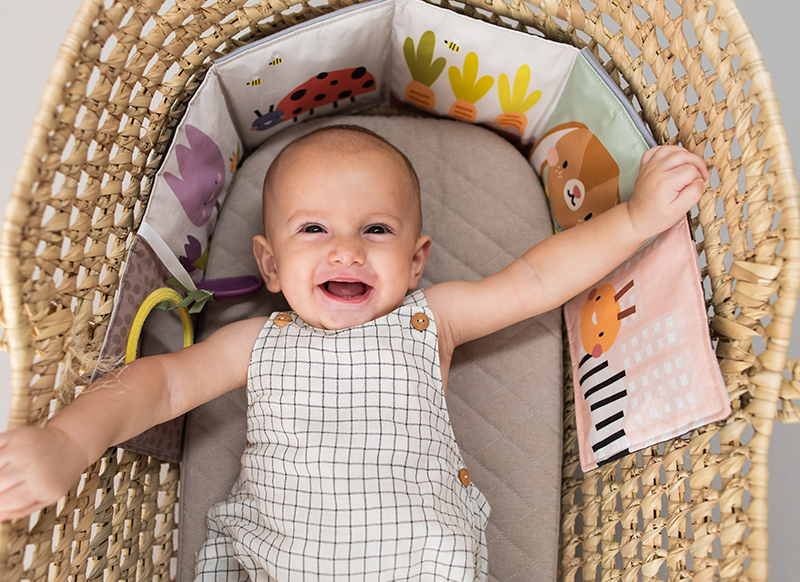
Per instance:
(767,381)
(17,330)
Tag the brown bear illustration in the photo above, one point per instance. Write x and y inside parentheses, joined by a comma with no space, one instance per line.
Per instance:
(582,177)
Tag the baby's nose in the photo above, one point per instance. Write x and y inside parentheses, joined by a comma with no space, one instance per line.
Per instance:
(346,251)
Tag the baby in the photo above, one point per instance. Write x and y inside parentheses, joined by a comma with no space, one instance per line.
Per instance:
(351,469)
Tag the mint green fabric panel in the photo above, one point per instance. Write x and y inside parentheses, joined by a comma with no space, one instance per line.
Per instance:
(588,99)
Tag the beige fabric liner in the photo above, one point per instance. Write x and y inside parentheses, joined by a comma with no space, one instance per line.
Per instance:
(483,206)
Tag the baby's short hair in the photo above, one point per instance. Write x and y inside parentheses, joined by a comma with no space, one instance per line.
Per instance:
(340,138)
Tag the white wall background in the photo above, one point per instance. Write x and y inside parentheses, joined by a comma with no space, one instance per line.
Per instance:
(32,33)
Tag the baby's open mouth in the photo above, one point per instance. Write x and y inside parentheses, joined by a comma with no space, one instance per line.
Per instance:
(345,288)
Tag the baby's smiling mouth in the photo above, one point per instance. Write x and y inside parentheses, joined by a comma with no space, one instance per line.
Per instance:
(345,289)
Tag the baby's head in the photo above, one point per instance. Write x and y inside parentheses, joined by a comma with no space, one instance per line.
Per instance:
(342,220)
(349,140)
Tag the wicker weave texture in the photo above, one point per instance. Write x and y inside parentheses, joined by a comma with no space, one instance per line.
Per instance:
(691,508)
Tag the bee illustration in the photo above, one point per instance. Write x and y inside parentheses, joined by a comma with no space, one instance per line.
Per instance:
(254,82)
(452,46)
(276,61)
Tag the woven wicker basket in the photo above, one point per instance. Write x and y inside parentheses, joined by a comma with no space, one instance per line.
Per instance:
(694,507)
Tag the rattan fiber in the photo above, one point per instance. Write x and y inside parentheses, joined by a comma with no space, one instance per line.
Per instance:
(693,508)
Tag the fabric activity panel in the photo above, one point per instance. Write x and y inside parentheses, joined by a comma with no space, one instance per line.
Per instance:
(642,361)
(551,100)
(451,65)
(429,58)
(588,154)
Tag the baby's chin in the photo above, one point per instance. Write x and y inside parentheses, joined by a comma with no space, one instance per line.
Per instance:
(339,316)
(338,321)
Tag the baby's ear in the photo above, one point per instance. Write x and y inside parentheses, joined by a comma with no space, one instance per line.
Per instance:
(419,259)
(266,263)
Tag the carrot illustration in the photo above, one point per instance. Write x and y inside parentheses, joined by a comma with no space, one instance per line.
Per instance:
(467,88)
(514,105)
(237,156)
(424,70)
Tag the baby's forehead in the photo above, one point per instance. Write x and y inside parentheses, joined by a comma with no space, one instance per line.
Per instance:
(294,163)
(349,150)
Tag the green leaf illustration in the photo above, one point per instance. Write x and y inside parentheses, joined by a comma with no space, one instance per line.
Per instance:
(195,300)
(420,62)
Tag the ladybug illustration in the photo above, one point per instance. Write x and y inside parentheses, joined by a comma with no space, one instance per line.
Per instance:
(321,90)
(268,120)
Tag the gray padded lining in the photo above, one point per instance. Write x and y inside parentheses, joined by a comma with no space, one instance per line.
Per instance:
(483,206)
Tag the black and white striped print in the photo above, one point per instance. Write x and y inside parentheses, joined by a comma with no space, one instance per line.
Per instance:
(604,391)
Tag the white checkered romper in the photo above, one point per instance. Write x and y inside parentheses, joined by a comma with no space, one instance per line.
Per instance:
(351,471)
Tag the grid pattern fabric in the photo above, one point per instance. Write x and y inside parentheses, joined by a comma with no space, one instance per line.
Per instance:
(504,391)
(351,469)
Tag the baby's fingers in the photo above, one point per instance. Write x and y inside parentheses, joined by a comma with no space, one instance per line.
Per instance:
(687,158)
(17,497)
(689,195)
(684,157)
(672,157)
(648,155)
(661,152)
(682,176)
(36,469)
(16,502)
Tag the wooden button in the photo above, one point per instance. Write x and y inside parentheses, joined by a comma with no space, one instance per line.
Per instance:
(463,476)
(420,321)
(282,319)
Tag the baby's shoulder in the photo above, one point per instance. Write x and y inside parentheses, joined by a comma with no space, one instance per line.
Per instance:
(239,335)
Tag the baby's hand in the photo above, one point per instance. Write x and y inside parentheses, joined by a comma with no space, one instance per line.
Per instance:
(671,180)
(37,467)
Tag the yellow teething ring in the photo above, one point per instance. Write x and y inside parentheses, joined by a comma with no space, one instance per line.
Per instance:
(156,297)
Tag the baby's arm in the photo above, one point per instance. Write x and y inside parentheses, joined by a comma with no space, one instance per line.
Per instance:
(670,182)
(38,465)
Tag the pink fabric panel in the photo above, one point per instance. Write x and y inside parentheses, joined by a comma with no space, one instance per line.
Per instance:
(644,367)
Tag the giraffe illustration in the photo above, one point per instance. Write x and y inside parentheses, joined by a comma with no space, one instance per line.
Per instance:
(602,387)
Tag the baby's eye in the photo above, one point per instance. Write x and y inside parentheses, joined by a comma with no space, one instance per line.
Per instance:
(376,229)
(312,228)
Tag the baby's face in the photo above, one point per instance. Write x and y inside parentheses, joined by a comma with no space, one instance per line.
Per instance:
(342,238)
